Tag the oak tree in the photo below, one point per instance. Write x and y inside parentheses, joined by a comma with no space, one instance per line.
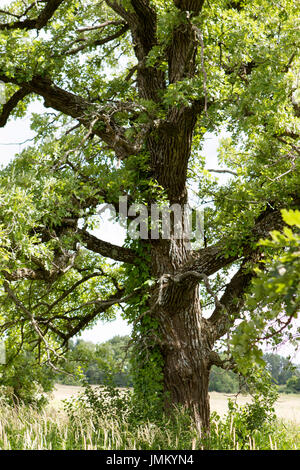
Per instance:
(131,89)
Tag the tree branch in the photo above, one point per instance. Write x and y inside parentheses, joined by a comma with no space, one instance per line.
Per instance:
(233,298)
(67,292)
(120,10)
(100,26)
(31,318)
(24,273)
(102,306)
(63,261)
(107,249)
(182,51)
(222,171)
(142,20)
(211,259)
(189,5)
(225,364)
(11,104)
(36,23)
(95,118)
(97,42)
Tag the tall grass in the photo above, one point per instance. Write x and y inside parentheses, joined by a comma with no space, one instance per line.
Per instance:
(26,428)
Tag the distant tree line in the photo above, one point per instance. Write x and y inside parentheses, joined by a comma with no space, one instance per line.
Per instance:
(110,361)
(285,375)
(22,379)
(98,363)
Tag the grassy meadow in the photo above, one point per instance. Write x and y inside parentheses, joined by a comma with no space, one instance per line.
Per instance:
(54,427)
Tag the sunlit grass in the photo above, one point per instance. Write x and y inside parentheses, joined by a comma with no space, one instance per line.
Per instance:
(25,428)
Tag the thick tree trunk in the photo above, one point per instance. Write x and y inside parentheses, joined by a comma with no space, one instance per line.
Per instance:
(184,336)
(186,362)
(184,344)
